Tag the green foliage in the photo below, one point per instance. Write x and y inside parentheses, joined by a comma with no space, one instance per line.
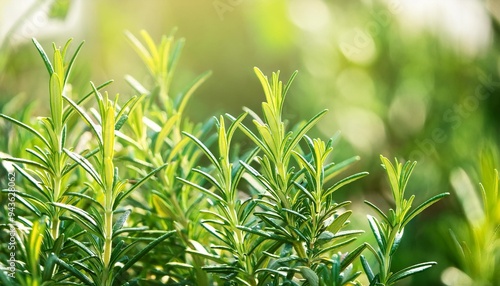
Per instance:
(57,187)
(231,217)
(290,225)
(132,192)
(389,229)
(156,127)
(297,209)
(478,249)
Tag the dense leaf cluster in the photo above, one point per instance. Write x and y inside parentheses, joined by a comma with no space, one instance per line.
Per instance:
(134,192)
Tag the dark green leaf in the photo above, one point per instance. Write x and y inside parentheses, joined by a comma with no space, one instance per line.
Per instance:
(204,190)
(124,194)
(82,247)
(367,268)
(410,271)
(295,213)
(84,196)
(143,252)
(377,232)
(311,276)
(397,240)
(422,207)
(75,272)
(344,182)
(382,215)
(48,268)
(336,245)
(81,213)
(119,123)
(85,116)
(44,56)
(351,256)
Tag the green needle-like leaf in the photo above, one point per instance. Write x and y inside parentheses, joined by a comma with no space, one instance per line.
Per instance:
(344,182)
(186,95)
(124,194)
(339,222)
(83,214)
(56,102)
(78,274)
(351,256)
(44,56)
(311,276)
(86,165)
(377,232)
(377,210)
(27,127)
(368,270)
(300,134)
(422,207)
(143,252)
(25,161)
(410,271)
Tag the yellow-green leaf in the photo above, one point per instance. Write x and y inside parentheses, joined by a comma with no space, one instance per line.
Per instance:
(56,101)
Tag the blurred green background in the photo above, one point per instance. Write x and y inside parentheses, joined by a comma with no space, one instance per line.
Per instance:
(416,80)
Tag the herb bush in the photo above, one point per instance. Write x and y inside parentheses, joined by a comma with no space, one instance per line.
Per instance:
(113,192)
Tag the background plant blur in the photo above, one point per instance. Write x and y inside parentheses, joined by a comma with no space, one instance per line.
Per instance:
(412,79)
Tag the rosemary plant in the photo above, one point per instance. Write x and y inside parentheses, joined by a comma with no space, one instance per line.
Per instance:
(112,190)
(389,230)
(231,217)
(298,210)
(151,197)
(47,167)
(50,166)
(290,227)
(50,172)
(156,127)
